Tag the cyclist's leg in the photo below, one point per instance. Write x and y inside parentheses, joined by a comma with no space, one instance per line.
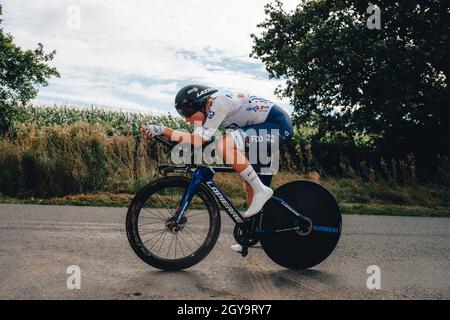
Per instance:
(231,148)
(280,124)
(231,153)
(248,135)
(265,179)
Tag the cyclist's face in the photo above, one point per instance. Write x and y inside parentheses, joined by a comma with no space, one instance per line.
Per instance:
(197,117)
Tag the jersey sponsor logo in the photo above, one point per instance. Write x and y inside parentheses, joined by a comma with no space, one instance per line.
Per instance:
(263,138)
(211,114)
(257,108)
(257,99)
(232,126)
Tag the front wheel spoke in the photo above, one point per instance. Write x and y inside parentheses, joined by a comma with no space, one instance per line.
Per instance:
(186,243)
(152,237)
(149,224)
(170,246)
(148,218)
(154,214)
(194,232)
(163,215)
(181,247)
(176,239)
(162,242)
(151,231)
(157,240)
(198,243)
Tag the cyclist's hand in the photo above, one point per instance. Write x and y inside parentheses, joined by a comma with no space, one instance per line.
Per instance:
(152,130)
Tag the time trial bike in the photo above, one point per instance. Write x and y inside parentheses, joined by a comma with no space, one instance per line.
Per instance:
(174,222)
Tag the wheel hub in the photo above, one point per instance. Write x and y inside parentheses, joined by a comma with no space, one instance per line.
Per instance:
(174,227)
(305,227)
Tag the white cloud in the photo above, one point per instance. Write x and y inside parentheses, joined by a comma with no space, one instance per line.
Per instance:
(140,52)
(159,92)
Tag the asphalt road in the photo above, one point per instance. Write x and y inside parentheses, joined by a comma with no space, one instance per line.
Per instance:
(39,243)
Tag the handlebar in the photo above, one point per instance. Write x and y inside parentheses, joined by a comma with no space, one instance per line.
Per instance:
(165,141)
(165,169)
(172,144)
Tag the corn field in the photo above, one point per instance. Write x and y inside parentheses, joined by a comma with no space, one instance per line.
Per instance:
(117,121)
(57,151)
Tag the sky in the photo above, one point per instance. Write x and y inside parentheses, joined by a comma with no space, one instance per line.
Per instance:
(135,54)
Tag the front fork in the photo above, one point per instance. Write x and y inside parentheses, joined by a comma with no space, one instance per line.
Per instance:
(200,175)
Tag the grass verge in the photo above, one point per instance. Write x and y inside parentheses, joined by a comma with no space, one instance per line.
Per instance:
(123,200)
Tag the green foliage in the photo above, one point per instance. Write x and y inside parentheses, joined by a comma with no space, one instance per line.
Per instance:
(119,122)
(77,158)
(60,151)
(392,83)
(21,72)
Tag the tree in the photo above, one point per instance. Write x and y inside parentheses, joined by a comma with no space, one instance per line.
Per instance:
(21,72)
(392,83)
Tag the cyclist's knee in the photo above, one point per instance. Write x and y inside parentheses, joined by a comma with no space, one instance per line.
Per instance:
(238,138)
(231,141)
(225,143)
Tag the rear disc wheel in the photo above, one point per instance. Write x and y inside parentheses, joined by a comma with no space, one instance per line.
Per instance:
(293,249)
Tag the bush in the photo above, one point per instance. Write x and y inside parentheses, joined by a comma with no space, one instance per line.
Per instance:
(61,160)
(104,152)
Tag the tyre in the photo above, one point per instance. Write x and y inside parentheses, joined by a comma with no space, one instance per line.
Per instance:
(149,218)
(292,249)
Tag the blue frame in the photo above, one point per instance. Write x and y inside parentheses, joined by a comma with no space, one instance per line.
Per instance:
(205,175)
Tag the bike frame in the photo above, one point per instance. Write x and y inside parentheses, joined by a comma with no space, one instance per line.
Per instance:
(204,175)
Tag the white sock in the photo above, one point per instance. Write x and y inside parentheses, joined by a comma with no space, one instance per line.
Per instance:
(249,175)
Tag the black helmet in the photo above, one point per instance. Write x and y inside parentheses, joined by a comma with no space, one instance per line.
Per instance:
(192,98)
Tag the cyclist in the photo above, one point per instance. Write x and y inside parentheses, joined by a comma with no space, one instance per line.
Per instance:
(249,117)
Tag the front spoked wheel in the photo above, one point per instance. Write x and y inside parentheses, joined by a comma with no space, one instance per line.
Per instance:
(297,249)
(157,240)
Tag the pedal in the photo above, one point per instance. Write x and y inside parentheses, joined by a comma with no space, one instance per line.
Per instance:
(244,251)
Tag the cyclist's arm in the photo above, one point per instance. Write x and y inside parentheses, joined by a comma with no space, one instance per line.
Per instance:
(183,137)
(221,108)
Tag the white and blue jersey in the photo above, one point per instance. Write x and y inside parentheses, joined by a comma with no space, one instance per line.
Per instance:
(234,111)
(252,119)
